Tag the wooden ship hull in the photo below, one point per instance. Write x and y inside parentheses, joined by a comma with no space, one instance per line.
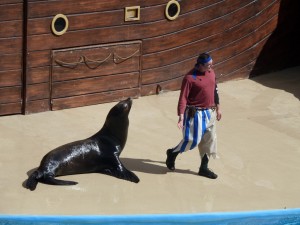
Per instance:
(115,49)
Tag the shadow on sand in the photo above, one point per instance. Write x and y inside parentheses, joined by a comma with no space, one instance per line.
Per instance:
(281,51)
(150,166)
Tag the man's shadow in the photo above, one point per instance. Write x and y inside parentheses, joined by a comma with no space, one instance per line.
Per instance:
(150,166)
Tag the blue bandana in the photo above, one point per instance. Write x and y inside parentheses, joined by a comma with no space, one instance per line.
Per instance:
(203,61)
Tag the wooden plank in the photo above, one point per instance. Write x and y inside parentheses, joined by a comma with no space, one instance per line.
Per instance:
(37,106)
(11,12)
(114,17)
(192,49)
(262,5)
(42,9)
(37,91)
(10,1)
(241,73)
(93,85)
(10,108)
(122,33)
(49,8)
(181,53)
(266,29)
(95,61)
(10,78)
(82,71)
(45,8)
(10,94)
(10,45)
(38,75)
(198,32)
(78,21)
(167,73)
(170,85)
(234,63)
(38,58)
(11,29)
(10,62)
(95,98)
(260,32)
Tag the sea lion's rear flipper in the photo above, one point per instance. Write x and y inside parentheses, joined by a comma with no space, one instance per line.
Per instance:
(51,180)
(32,180)
(122,173)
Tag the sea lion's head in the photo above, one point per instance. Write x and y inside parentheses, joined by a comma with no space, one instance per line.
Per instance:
(121,109)
(117,120)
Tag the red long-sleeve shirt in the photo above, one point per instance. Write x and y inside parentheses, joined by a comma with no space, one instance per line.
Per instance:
(198,89)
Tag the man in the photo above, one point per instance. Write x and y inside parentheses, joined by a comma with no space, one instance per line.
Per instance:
(198,109)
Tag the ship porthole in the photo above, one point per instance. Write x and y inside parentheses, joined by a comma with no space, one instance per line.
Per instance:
(172,10)
(59,24)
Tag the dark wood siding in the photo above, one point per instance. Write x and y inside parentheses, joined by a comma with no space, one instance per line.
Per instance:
(11,50)
(66,71)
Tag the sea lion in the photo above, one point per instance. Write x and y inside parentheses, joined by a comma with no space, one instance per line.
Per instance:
(98,153)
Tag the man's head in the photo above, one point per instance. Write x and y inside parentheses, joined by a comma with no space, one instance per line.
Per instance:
(204,62)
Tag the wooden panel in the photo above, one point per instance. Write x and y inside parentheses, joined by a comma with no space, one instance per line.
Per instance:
(10,62)
(241,73)
(38,58)
(266,29)
(96,72)
(109,18)
(37,106)
(10,108)
(10,45)
(170,85)
(233,31)
(10,1)
(241,47)
(11,29)
(167,73)
(123,33)
(234,63)
(37,91)
(10,78)
(10,94)
(193,46)
(95,61)
(82,71)
(96,98)
(91,85)
(41,9)
(11,12)
(209,22)
(37,75)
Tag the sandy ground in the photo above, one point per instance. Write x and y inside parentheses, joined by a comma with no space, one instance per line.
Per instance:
(258,145)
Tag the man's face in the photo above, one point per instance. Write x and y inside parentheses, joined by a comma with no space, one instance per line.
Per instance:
(206,67)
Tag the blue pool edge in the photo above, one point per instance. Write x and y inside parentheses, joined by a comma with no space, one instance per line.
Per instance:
(208,217)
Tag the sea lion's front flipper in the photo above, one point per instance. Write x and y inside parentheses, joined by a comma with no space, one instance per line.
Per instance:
(119,171)
(122,174)
(51,180)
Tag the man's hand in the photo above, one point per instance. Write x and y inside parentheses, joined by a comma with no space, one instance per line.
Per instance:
(219,112)
(180,122)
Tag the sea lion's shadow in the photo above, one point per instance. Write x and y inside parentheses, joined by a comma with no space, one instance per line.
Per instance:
(150,166)
(138,165)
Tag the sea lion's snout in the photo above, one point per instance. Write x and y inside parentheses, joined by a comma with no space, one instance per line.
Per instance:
(127,104)
(129,100)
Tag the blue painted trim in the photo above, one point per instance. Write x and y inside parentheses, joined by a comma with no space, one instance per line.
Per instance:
(187,133)
(196,130)
(274,217)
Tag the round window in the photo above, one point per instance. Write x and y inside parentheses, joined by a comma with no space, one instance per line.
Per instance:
(172,10)
(59,24)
